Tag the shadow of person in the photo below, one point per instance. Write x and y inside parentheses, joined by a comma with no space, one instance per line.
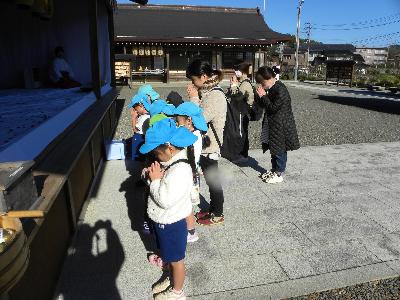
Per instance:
(254,164)
(91,269)
(136,202)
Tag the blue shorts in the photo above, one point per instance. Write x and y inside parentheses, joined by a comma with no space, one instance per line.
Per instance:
(137,141)
(172,239)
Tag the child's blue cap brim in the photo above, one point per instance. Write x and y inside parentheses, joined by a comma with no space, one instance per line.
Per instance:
(165,131)
(160,106)
(140,99)
(192,110)
(148,90)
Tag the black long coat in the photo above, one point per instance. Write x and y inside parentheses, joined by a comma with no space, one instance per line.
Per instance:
(281,126)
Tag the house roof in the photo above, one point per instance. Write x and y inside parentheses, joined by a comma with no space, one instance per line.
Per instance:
(193,24)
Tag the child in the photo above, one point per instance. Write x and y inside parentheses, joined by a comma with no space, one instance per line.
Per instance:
(169,201)
(161,107)
(189,115)
(148,90)
(140,118)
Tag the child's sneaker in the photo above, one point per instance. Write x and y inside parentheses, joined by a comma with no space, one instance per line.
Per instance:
(191,238)
(275,178)
(211,219)
(170,295)
(266,175)
(201,214)
(161,286)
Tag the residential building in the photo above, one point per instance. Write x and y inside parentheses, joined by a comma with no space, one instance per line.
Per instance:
(373,56)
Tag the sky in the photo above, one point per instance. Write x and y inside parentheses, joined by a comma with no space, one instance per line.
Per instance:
(325,15)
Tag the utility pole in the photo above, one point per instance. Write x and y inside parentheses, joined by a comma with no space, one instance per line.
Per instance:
(308,28)
(296,69)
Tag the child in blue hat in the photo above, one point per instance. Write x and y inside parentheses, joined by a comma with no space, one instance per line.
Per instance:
(170,202)
(161,107)
(190,115)
(148,90)
(140,116)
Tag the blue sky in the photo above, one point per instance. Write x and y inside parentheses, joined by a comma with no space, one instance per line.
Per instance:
(280,15)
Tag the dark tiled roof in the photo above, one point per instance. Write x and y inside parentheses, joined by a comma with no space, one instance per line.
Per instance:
(193,24)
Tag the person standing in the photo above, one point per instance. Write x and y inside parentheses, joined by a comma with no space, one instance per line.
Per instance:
(206,92)
(241,84)
(280,126)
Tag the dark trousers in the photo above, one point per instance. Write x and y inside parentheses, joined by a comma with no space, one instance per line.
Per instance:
(279,162)
(212,176)
(245,150)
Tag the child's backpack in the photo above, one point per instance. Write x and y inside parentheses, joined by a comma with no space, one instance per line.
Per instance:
(234,137)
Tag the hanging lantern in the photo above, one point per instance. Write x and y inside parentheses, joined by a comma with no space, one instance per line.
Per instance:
(141,51)
(147,51)
(153,50)
(160,51)
(135,51)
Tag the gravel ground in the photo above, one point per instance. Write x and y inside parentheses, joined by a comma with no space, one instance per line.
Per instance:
(322,117)
(386,289)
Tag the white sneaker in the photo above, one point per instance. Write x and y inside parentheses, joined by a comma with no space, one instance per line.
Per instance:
(170,295)
(275,178)
(191,238)
(162,286)
(266,175)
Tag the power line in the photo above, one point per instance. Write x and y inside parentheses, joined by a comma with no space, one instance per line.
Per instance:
(361,23)
(357,28)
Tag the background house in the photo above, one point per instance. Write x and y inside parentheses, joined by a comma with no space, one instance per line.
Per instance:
(373,56)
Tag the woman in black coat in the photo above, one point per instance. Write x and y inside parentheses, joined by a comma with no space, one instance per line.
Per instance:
(279,133)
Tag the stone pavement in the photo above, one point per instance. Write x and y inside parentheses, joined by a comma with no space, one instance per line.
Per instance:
(334,222)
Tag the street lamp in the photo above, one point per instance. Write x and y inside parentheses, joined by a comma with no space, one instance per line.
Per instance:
(296,68)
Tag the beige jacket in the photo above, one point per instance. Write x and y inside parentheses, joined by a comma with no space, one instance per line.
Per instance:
(245,88)
(213,103)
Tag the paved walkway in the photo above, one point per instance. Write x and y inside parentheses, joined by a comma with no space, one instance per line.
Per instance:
(334,222)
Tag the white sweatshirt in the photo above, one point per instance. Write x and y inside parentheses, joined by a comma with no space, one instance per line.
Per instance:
(170,197)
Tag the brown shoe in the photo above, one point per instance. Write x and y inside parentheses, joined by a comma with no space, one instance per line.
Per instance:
(210,220)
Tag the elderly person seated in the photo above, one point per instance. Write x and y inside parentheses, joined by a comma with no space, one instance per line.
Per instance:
(61,74)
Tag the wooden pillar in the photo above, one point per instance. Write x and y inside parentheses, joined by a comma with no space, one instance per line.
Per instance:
(94,48)
(112,45)
(254,65)
(167,66)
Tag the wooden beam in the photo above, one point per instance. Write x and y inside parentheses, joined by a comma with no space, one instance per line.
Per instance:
(94,48)
(112,46)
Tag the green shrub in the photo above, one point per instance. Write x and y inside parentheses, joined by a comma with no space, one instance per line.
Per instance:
(387,80)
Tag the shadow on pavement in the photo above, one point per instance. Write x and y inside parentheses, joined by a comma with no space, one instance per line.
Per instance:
(379,105)
(136,202)
(92,268)
(253,163)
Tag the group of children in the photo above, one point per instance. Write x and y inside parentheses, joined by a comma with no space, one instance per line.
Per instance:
(168,138)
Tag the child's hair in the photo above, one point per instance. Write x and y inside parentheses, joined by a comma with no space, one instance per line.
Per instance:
(190,154)
(265,73)
(200,67)
(243,67)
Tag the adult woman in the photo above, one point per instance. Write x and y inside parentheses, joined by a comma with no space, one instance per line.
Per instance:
(241,85)
(281,127)
(205,92)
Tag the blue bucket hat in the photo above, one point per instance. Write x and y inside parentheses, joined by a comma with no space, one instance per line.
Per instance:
(140,99)
(165,131)
(160,106)
(148,90)
(192,110)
